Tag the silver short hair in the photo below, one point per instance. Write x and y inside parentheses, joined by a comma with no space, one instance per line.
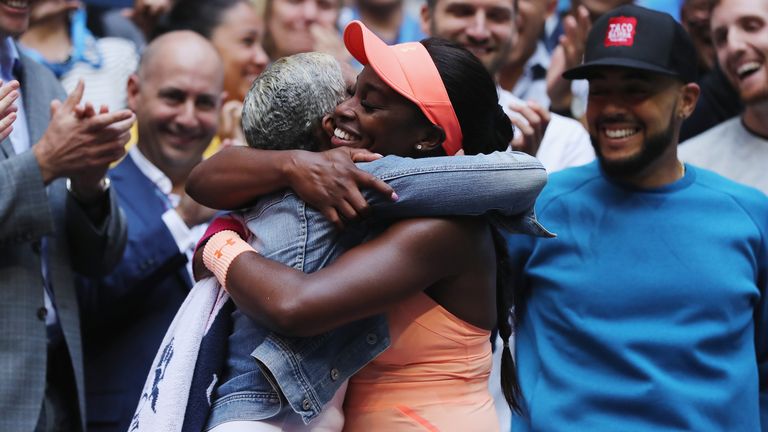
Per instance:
(288,100)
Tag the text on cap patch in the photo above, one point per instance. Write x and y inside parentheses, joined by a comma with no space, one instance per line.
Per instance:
(621,31)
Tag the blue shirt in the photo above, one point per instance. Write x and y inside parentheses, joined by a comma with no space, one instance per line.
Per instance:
(648,311)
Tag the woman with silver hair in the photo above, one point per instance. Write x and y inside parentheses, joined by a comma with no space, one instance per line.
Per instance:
(285,106)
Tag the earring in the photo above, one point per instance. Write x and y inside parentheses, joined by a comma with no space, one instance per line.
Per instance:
(419,147)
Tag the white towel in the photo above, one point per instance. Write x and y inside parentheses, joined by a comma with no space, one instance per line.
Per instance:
(164,398)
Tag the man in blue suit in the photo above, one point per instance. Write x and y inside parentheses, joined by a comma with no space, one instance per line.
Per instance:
(176,95)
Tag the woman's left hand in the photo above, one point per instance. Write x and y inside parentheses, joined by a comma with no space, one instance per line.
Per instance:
(330,182)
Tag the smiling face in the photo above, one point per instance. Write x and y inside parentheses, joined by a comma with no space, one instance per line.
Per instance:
(238,40)
(176,98)
(484,27)
(377,118)
(634,117)
(14,17)
(740,36)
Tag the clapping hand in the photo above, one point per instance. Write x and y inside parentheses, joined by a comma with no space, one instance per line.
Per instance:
(567,55)
(80,143)
(8,95)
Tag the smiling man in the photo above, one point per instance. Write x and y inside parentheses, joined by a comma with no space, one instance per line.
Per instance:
(649,310)
(177,95)
(484,27)
(738,148)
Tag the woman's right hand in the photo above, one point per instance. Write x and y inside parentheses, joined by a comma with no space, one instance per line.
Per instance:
(8,95)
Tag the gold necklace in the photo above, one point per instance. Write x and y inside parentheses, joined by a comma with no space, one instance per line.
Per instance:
(682,169)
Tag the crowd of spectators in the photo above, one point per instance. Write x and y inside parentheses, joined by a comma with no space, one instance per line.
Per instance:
(108,105)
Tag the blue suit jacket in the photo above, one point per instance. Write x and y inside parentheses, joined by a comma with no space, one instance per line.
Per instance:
(126,314)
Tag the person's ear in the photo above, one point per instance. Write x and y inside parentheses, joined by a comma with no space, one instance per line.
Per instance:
(689,96)
(132,89)
(431,139)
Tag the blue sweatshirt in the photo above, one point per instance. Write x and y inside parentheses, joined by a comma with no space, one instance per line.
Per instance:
(648,312)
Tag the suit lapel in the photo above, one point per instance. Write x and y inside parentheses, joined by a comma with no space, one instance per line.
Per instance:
(140,200)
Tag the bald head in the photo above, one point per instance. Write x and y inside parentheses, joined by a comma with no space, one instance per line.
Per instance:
(183,47)
(177,96)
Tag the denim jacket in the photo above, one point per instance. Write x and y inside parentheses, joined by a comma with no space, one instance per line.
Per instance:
(308,371)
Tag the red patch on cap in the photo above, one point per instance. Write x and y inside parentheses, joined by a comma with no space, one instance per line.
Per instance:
(621,31)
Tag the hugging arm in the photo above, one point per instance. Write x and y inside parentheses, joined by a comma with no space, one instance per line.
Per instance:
(450,185)
(329,181)
(508,182)
(407,258)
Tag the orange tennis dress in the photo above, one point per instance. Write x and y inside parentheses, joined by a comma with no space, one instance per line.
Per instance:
(433,377)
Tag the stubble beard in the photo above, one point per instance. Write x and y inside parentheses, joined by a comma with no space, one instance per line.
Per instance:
(653,147)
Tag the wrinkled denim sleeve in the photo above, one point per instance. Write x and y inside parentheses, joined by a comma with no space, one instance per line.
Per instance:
(468,185)
(502,184)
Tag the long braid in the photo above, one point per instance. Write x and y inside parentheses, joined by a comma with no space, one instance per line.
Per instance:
(509,383)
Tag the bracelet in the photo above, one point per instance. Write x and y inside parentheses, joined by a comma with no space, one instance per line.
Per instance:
(222,248)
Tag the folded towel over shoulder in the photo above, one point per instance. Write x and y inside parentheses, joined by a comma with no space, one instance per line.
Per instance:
(176,394)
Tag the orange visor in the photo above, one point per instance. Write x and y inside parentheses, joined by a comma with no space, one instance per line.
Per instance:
(409,70)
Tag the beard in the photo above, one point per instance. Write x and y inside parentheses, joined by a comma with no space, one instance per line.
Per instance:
(653,147)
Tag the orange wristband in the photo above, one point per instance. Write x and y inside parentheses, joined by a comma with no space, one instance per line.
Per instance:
(221,249)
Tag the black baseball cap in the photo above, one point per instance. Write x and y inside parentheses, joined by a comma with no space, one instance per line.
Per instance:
(638,38)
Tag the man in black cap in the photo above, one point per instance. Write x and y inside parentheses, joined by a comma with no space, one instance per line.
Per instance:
(649,310)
